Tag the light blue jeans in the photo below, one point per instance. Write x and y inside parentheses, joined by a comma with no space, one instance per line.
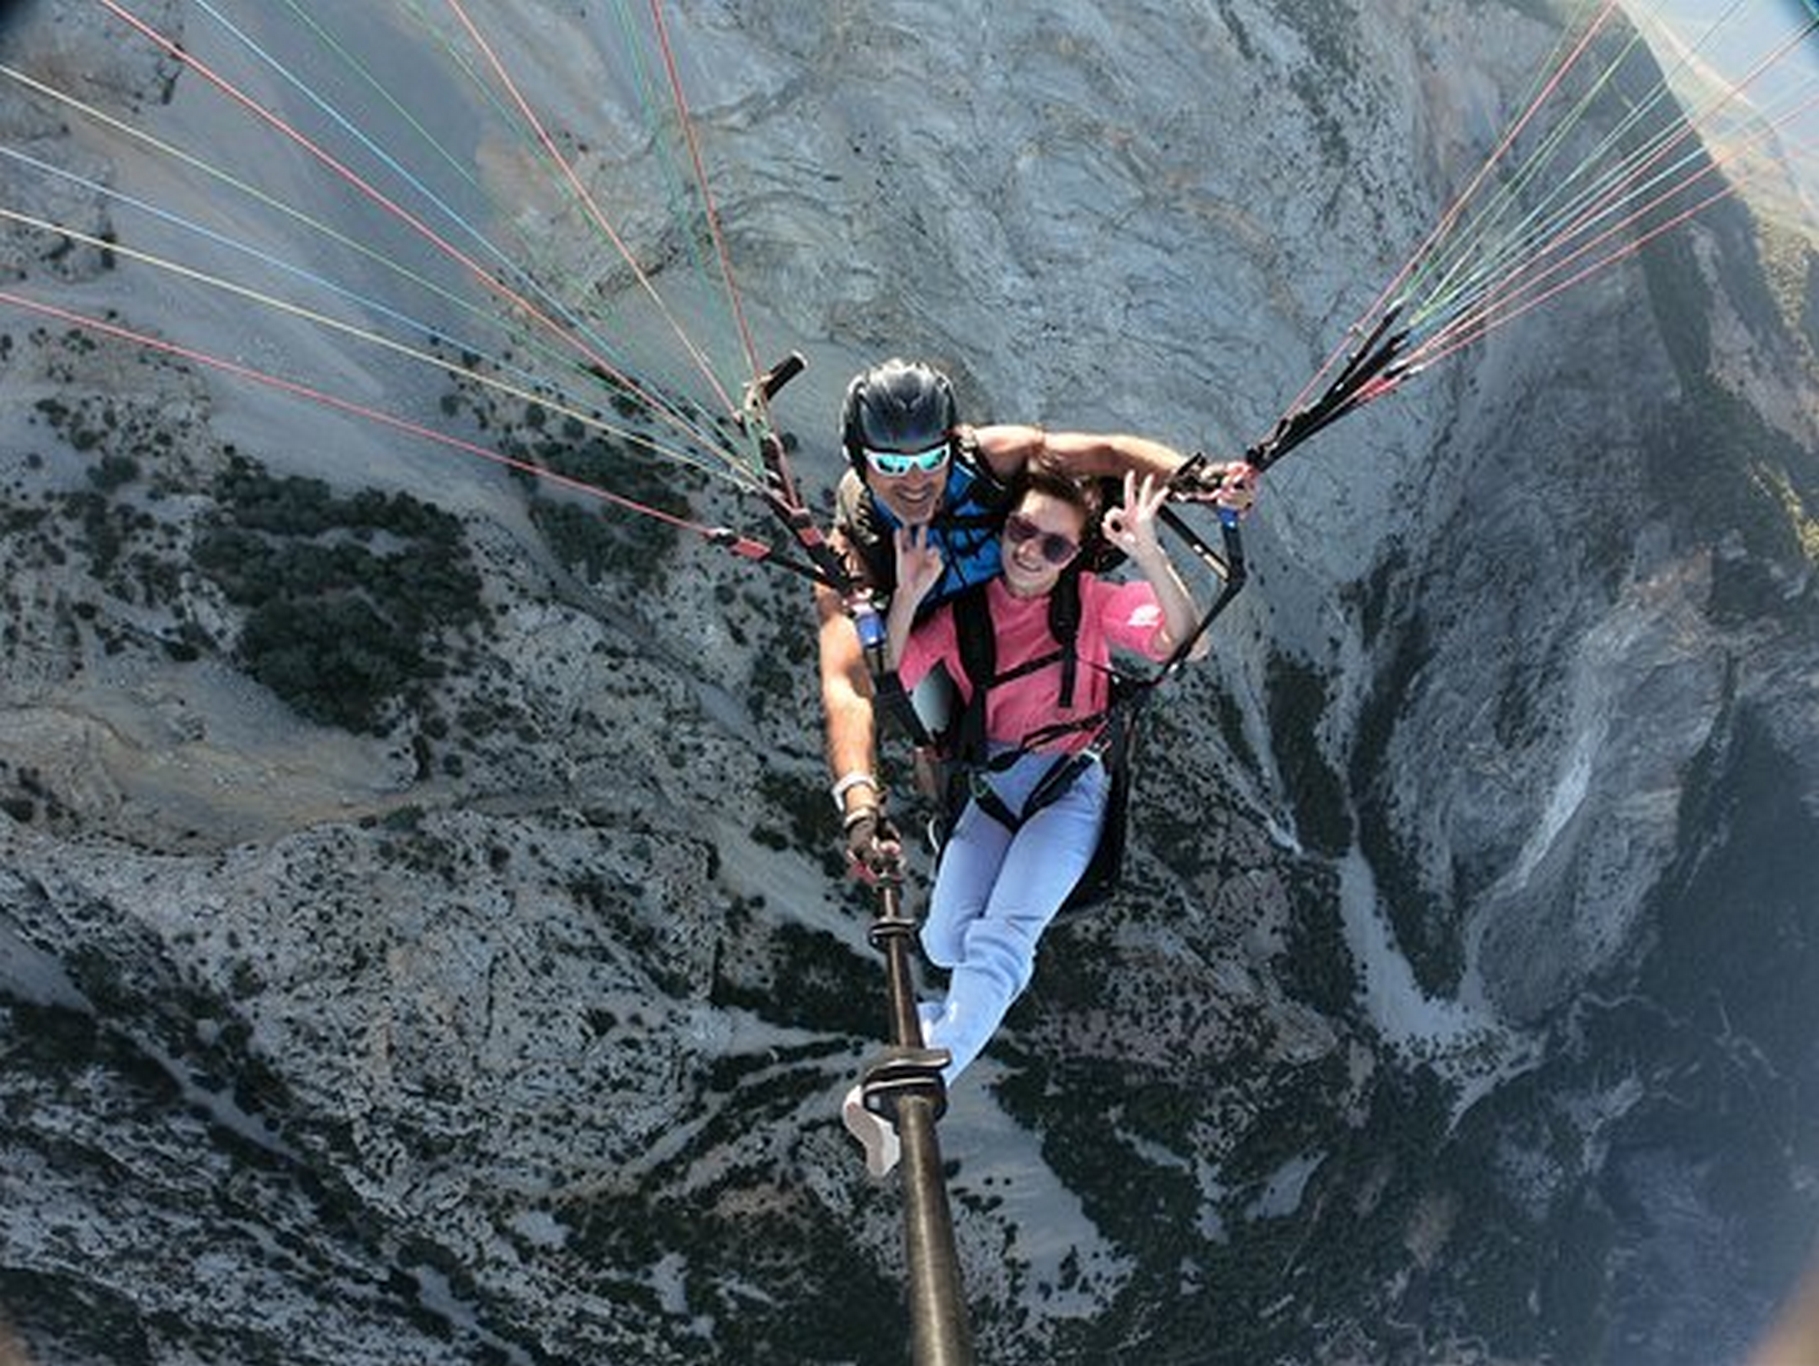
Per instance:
(994,895)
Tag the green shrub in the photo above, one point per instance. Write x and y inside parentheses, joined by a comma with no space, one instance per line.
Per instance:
(347,597)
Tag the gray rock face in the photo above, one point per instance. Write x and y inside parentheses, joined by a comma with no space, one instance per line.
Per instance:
(419,933)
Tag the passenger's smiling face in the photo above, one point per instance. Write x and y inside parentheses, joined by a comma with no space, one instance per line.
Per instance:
(1040,539)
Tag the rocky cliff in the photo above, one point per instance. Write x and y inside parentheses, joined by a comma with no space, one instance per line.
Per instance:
(457,969)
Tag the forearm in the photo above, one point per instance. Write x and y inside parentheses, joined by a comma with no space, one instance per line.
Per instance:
(1180,613)
(1007,447)
(851,742)
(851,739)
(846,708)
(898,623)
(1116,455)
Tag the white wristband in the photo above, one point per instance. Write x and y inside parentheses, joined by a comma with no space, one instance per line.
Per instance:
(847,783)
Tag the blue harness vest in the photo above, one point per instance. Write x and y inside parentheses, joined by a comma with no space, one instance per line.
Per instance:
(965,530)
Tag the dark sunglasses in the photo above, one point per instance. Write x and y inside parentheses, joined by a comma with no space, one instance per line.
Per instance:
(1053,546)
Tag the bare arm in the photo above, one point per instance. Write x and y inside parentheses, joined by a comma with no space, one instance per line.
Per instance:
(1006,448)
(846,702)
(919,569)
(897,624)
(1132,528)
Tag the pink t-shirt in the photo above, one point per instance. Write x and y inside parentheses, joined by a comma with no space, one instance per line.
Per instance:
(1124,616)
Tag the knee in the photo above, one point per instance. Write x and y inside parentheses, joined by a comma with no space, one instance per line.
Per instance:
(953,911)
(943,943)
(1003,947)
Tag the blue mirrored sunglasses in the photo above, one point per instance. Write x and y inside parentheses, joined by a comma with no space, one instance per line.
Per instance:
(902,462)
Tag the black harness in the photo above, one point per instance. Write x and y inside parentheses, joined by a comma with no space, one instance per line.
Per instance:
(1114,746)
(968,764)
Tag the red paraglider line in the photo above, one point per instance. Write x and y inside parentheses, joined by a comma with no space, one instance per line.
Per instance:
(1514,296)
(1476,326)
(307,392)
(177,53)
(1618,197)
(586,199)
(1457,208)
(707,197)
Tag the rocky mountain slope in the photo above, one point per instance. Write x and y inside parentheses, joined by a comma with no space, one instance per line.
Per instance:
(457,969)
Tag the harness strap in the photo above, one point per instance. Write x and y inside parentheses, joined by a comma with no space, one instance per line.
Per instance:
(894,699)
(1028,666)
(1043,736)
(1049,789)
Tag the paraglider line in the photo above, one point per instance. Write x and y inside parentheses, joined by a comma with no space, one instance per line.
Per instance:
(707,195)
(297,389)
(177,53)
(1616,191)
(1458,206)
(587,200)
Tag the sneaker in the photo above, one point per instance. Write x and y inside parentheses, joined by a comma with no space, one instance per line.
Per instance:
(877,1135)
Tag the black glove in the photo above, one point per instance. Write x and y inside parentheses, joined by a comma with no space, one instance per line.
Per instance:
(873,848)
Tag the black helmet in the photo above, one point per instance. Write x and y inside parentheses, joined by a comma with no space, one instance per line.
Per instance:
(897,406)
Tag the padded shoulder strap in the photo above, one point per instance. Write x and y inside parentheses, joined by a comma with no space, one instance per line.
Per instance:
(1064,626)
(977,639)
(978,642)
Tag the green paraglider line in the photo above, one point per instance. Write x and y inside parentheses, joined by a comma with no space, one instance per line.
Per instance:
(1403,277)
(224,177)
(542,143)
(820,566)
(701,182)
(532,388)
(675,179)
(1613,199)
(1510,302)
(1470,276)
(391,162)
(746,547)
(455,164)
(588,201)
(385,202)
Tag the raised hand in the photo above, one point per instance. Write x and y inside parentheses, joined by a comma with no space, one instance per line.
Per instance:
(1132,527)
(919,564)
(1230,485)
(1238,488)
